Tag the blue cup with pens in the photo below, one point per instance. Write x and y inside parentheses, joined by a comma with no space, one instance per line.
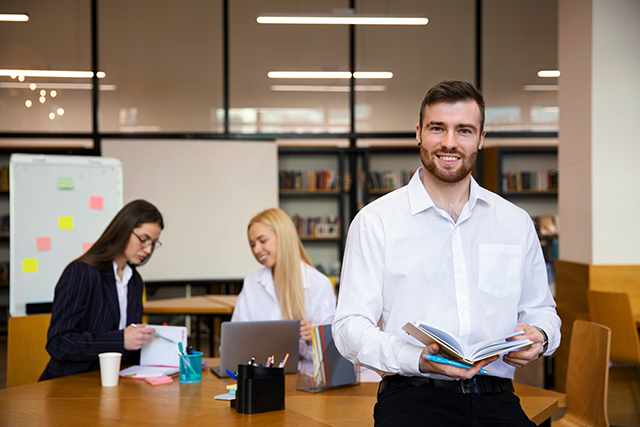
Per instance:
(191,367)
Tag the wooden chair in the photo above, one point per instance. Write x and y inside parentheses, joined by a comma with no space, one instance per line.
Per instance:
(613,309)
(587,376)
(26,353)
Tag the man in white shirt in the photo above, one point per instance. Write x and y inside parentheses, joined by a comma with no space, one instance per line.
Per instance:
(456,256)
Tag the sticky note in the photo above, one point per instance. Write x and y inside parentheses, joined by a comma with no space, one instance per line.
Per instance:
(29,265)
(43,243)
(65,223)
(65,183)
(96,202)
(86,247)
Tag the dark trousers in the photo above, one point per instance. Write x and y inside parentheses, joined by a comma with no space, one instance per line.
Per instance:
(424,405)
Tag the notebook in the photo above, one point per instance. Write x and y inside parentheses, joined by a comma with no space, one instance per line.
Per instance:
(241,341)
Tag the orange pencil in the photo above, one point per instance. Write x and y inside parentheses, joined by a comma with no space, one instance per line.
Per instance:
(284,360)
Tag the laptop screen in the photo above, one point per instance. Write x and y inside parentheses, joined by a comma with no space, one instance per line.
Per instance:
(242,341)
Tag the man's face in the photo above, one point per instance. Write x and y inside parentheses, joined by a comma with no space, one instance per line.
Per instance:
(450,138)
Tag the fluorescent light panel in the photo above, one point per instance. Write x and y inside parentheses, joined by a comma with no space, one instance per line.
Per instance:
(329,74)
(342,20)
(540,87)
(13,85)
(14,17)
(311,88)
(549,73)
(51,73)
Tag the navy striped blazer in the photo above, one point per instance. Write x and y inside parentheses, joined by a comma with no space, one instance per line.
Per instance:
(85,319)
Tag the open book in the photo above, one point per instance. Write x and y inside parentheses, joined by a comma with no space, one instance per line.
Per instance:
(450,347)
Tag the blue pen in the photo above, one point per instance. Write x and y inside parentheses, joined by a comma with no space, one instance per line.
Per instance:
(232,375)
(444,361)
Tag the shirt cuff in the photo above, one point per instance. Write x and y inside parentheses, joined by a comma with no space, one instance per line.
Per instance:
(409,360)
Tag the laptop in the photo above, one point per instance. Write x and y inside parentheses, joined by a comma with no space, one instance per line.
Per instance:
(241,341)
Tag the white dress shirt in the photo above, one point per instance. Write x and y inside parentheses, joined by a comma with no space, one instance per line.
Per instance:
(122,287)
(407,260)
(258,300)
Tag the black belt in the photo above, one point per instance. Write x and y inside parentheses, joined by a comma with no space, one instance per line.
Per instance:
(480,384)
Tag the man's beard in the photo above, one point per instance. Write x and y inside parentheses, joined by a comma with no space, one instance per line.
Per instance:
(453,174)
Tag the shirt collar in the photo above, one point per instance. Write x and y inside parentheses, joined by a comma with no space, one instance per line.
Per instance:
(420,200)
(265,277)
(127,272)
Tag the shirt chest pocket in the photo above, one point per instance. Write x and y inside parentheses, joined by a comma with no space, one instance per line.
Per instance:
(500,269)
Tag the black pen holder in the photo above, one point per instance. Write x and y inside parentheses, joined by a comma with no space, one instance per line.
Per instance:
(259,390)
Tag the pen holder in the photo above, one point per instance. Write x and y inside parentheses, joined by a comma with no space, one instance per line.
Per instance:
(259,390)
(191,367)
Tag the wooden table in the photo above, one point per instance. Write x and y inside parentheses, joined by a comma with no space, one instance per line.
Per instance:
(79,400)
(211,306)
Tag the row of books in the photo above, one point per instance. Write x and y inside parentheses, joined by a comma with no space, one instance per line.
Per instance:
(4,178)
(330,369)
(386,180)
(322,180)
(317,226)
(530,180)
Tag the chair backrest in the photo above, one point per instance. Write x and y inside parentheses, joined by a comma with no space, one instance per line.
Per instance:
(588,375)
(613,309)
(26,353)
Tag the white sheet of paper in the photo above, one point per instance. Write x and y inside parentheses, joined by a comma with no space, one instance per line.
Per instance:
(161,352)
(138,371)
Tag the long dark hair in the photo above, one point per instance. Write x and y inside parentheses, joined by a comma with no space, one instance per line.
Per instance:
(115,237)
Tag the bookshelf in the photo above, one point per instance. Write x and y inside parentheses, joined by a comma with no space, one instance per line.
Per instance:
(384,169)
(316,187)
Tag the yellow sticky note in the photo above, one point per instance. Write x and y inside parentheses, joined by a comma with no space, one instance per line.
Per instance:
(65,222)
(29,265)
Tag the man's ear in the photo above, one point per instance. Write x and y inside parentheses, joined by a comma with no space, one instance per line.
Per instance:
(481,142)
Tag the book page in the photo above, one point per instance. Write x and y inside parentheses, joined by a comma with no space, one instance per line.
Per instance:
(160,351)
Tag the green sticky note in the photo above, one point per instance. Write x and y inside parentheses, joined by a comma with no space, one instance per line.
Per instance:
(29,265)
(65,183)
(65,222)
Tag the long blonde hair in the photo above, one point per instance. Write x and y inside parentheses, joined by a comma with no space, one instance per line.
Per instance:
(287,274)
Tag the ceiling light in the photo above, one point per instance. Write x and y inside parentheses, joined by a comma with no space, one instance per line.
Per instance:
(540,87)
(312,88)
(43,92)
(549,73)
(347,19)
(32,86)
(53,93)
(329,75)
(51,73)
(28,103)
(42,99)
(52,116)
(14,17)
(20,79)
(60,111)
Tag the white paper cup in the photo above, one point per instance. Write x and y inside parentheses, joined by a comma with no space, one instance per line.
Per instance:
(110,368)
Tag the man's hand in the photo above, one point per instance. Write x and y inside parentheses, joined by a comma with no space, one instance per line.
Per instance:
(135,338)
(525,355)
(305,331)
(427,366)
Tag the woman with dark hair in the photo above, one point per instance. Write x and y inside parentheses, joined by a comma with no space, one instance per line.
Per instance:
(100,293)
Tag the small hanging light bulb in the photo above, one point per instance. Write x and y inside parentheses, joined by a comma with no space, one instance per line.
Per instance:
(32,86)
(52,116)
(53,93)
(60,111)
(28,103)
(42,99)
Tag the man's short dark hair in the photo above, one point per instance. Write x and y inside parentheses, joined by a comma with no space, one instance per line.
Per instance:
(452,91)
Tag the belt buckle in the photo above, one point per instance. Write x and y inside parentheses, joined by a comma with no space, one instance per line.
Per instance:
(469,386)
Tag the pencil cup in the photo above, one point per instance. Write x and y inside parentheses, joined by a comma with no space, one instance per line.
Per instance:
(191,367)
(260,390)
(109,368)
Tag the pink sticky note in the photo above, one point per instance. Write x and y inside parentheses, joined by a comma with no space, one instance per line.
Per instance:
(96,202)
(86,247)
(43,243)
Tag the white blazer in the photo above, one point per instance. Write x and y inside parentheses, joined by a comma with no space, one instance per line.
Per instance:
(258,300)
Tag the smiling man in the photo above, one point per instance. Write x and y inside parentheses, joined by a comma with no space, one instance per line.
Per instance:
(456,256)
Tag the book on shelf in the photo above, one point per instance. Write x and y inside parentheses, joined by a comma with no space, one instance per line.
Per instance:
(385,180)
(530,180)
(319,226)
(321,180)
(455,350)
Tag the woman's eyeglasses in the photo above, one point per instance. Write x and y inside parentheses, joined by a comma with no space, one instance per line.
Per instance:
(145,243)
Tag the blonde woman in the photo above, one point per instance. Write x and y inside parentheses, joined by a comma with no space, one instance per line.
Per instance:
(288,286)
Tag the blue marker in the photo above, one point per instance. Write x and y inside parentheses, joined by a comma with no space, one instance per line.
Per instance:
(444,361)
(232,375)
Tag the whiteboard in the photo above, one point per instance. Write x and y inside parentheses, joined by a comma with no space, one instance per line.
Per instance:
(59,206)
(207,191)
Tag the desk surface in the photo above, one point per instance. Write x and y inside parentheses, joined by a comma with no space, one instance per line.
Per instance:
(79,400)
(203,304)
